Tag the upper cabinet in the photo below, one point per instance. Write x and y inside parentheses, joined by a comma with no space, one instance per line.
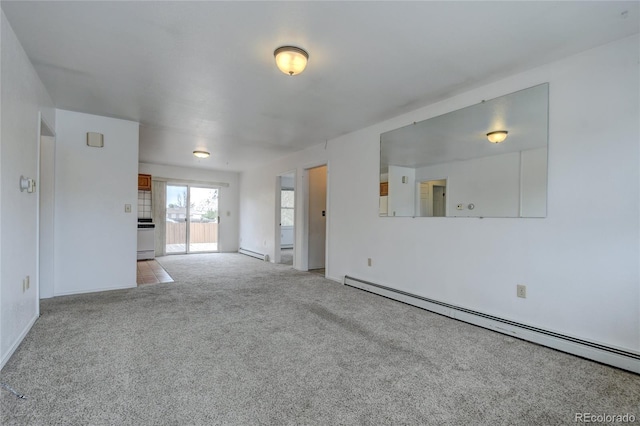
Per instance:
(144,182)
(384,189)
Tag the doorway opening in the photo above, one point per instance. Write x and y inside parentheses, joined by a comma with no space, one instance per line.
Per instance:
(192,219)
(432,198)
(286,217)
(317,220)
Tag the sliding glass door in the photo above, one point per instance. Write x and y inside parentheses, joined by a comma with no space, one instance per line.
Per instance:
(176,219)
(203,219)
(192,219)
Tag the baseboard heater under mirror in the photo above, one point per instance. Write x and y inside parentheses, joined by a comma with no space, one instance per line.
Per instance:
(609,355)
(255,254)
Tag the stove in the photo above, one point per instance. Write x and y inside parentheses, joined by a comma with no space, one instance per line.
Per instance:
(146,239)
(144,223)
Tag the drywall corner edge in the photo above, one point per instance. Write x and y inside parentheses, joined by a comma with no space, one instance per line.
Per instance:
(6,357)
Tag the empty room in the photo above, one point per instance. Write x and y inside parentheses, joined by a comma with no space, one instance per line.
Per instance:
(319,212)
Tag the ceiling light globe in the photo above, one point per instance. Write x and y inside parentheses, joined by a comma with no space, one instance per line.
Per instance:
(201,154)
(291,60)
(498,136)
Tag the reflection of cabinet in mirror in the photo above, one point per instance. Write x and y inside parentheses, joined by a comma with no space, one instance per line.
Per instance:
(384,192)
(384,189)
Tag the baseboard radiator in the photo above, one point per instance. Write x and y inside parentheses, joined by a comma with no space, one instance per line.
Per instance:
(255,254)
(613,356)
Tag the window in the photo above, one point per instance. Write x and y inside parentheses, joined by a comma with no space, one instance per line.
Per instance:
(286,207)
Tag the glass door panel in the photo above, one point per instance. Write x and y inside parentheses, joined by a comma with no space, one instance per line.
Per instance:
(203,219)
(176,219)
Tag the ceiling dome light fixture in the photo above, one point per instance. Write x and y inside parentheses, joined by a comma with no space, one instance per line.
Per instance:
(497,136)
(291,60)
(201,154)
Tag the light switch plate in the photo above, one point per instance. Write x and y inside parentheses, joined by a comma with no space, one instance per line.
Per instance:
(127,208)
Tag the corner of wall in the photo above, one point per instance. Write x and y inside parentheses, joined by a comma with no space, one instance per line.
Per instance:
(24,100)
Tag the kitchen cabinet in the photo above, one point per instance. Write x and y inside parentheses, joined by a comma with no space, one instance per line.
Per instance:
(144,182)
(384,189)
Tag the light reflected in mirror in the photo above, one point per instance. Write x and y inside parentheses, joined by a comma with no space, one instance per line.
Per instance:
(456,165)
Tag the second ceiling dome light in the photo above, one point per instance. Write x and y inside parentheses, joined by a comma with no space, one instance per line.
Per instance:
(498,136)
(291,60)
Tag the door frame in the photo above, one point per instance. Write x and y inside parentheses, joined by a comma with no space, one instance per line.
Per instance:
(47,130)
(418,210)
(277,258)
(303,233)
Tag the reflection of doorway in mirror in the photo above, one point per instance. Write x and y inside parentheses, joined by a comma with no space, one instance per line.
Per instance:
(432,198)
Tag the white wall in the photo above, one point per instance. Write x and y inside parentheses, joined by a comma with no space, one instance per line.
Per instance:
(228,196)
(491,184)
(258,228)
(22,96)
(95,239)
(533,183)
(580,263)
(507,185)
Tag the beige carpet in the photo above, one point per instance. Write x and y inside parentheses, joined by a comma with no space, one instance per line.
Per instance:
(239,341)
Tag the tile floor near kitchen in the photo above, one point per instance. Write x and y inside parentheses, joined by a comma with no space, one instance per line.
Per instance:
(150,272)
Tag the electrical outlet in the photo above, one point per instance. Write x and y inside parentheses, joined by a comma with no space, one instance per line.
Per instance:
(369,261)
(521,291)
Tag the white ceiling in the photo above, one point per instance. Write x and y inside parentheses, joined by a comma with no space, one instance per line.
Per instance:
(201,75)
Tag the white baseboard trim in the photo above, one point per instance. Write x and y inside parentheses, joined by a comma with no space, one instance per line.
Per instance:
(252,253)
(19,340)
(93,290)
(606,354)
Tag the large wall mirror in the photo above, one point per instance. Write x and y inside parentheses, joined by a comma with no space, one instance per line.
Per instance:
(486,160)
